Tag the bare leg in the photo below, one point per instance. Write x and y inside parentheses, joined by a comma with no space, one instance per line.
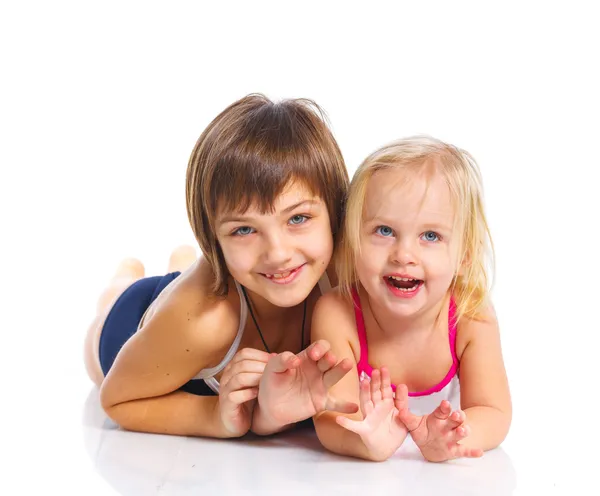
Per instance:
(128,271)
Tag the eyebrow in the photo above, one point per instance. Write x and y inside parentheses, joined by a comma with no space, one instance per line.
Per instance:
(432,226)
(240,218)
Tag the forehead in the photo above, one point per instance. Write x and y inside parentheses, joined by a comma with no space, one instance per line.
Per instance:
(409,196)
(293,193)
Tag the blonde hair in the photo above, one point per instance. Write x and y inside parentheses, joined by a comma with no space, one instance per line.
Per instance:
(248,155)
(461,173)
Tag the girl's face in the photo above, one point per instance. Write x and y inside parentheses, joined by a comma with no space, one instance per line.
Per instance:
(281,255)
(409,250)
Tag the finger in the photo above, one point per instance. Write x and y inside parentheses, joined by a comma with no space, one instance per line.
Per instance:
(409,419)
(386,384)
(332,376)
(251,354)
(243,381)
(283,362)
(442,412)
(318,349)
(465,452)
(366,405)
(460,433)
(242,395)
(456,418)
(328,361)
(349,424)
(247,366)
(376,386)
(230,370)
(401,399)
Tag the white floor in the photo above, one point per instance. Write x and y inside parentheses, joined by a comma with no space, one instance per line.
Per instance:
(61,440)
(101,106)
(294,463)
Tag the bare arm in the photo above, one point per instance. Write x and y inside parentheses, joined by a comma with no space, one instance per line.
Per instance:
(333,320)
(485,395)
(140,392)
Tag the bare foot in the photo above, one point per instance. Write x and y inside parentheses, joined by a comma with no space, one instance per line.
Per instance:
(130,268)
(181,258)
(128,271)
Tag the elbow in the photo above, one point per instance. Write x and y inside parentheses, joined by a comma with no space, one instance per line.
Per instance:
(106,401)
(499,430)
(504,426)
(115,411)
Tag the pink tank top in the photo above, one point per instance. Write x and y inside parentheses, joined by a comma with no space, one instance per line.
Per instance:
(448,387)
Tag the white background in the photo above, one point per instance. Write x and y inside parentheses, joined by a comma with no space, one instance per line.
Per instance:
(101,104)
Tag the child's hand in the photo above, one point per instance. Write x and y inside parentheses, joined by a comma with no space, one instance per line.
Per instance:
(381,429)
(238,387)
(438,434)
(294,387)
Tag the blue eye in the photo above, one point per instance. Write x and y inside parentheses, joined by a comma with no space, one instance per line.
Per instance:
(243,231)
(384,231)
(430,236)
(298,219)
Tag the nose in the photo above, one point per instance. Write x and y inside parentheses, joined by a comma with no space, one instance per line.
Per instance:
(404,252)
(278,250)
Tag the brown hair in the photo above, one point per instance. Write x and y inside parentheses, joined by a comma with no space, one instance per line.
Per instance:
(248,154)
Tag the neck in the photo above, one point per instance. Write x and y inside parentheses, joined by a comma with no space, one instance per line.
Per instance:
(273,321)
(395,327)
(263,309)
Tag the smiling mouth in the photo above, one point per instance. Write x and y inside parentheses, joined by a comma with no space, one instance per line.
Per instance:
(403,283)
(283,275)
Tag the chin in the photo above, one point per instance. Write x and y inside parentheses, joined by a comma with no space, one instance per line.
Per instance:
(286,299)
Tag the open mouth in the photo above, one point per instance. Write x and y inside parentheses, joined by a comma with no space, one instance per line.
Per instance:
(403,283)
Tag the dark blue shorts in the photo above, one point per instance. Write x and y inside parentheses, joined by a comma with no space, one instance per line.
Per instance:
(123,320)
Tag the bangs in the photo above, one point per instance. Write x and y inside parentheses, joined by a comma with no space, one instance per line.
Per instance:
(266,158)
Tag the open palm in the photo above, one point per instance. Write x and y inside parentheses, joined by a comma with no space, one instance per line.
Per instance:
(381,429)
(295,387)
(438,434)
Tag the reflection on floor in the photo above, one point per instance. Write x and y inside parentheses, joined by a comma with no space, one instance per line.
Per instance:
(289,463)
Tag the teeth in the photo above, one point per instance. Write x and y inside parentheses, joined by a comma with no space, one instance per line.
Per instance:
(281,275)
(402,278)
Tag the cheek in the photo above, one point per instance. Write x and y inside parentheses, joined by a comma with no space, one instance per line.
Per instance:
(371,260)
(237,257)
(318,242)
(440,264)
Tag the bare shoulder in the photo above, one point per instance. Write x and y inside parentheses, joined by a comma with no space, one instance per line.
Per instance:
(482,327)
(334,320)
(200,317)
(188,331)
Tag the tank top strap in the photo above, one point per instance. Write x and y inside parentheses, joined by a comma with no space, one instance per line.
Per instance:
(452,325)
(209,373)
(363,363)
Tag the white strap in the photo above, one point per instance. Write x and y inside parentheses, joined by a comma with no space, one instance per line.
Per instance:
(208,374)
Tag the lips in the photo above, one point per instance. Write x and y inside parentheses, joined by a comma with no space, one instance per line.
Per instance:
(283,276)
(403,283)
(403,287)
